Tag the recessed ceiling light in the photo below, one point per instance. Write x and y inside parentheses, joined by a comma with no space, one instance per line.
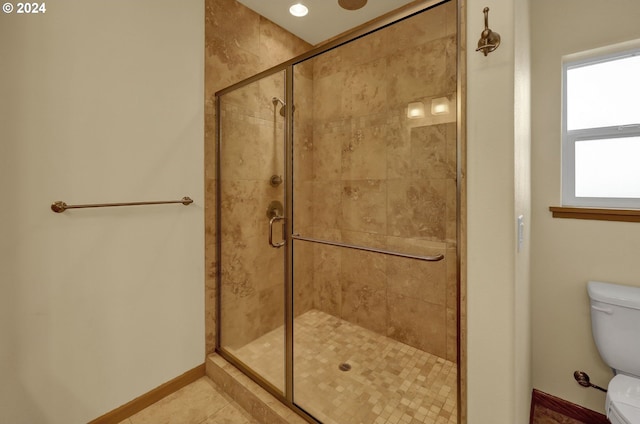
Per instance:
(299,10)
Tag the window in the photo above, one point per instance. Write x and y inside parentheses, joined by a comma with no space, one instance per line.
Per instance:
(601,131)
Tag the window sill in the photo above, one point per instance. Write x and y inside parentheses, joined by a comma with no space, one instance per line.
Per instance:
(625,215)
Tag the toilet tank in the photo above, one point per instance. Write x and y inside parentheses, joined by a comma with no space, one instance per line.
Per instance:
(615,323)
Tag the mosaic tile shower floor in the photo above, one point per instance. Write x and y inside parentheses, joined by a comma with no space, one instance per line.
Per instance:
(389,382)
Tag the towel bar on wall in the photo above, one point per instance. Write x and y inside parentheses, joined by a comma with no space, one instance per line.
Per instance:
(60,207)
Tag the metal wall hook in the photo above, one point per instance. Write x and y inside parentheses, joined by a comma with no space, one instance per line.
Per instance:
(489,40)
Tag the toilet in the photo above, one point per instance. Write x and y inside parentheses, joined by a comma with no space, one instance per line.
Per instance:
(615,323)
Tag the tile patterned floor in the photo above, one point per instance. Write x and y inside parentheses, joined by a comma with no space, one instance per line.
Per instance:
(389,382)
(201,402)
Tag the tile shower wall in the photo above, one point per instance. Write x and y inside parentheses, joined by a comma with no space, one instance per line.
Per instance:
(371,176)
(382,180)
(238,44)
(251,152)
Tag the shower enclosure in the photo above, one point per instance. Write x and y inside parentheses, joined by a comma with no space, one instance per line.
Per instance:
(337,221)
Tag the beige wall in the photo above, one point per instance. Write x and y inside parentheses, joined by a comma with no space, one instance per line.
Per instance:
(498,343)
(99,102)
(567,253)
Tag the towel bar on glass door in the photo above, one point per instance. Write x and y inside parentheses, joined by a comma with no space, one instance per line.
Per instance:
(435,258)
(60,207)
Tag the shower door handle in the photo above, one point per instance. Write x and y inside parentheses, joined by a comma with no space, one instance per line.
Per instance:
(271,222)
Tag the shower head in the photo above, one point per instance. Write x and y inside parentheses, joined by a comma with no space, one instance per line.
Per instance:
(275,101)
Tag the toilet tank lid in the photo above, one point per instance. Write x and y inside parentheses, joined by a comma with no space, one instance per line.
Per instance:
(614,294)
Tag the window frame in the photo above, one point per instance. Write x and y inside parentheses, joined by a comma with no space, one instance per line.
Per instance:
(571,137)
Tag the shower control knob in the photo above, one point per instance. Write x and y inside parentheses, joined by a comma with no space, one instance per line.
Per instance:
(275,180)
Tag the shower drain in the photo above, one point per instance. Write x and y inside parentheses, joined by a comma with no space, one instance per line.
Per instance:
(344,367)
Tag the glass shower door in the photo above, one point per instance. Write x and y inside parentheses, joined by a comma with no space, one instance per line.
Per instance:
(375,226)
(337,226)
(251,211)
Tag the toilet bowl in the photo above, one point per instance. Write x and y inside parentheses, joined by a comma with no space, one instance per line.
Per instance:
(623,400)
(615,324)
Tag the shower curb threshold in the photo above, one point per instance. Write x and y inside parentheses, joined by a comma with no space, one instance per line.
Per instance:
(259,403)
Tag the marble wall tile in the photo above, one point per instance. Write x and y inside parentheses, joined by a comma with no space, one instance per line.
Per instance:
(304,146)
(242,103)
(327,205)
(281,45)
(366,88)
(244,207)
(364,153)
(226,64)
(421,28)
(210,144)
(251,150)
(429,153)
(420,280)
(303,163)
(364,295)
(416,246)
(210,306)
(417,323)
(254,267)
(327,289)
(303,206)
(233,22)
(271,307)
(399,151)
(417,208)
(303,70)
(362,268)
(239,316)
(335,101)
(362,238)
(303,288)
(328,63)
(371,48)
(210,234)
(303,94)
(237,274)
(327,154)
(363,206)
(452,67)
(240,153)
(418,72)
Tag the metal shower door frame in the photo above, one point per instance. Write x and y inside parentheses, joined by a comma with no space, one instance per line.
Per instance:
(288,180)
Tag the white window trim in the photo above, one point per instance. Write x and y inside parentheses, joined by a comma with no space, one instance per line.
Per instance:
(568,167)
(569,138)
